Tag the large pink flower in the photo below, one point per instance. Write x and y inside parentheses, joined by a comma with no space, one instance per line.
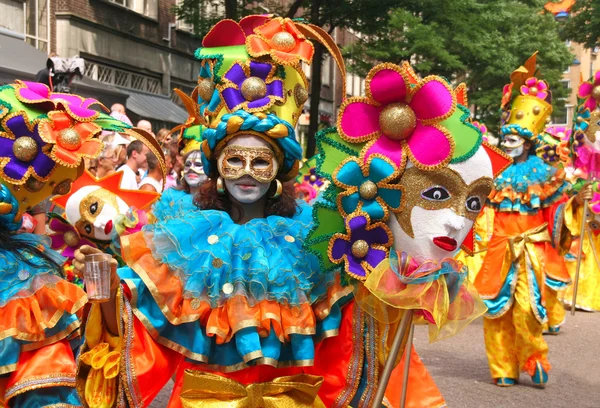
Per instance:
(535,87)
(591,92)
(399,120)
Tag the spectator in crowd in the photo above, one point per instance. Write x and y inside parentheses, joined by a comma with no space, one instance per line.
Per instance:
(176,159)
(117,111)
(171,179)
(154,180)
(163,137)
(145,125)
(136,158)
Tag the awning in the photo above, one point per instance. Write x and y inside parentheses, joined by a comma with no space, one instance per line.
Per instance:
(19,59)
(155,107)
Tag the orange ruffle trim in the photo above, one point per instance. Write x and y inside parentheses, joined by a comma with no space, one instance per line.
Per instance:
(237,313)
(27,318)
(531,365)
(541,191)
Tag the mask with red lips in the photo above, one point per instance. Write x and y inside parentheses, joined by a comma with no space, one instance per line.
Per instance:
(441,212)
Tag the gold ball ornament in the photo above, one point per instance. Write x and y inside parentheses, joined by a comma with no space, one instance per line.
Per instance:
(360,248)
(69,139)
(313,178)
(206,89)
(520,115)
(71,239)
(300,95)
(537,110)
(533,90)
(397,121)
(550,153)
(283,41)
(596,92)
(368,190)
(25,148)
(254,88)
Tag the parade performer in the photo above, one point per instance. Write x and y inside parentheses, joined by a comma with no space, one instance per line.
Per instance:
(178,201)
(409,174)
(44,138)
(585,146)
(308,183)
(522,270)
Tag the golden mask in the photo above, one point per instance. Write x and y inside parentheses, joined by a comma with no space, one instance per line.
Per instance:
(257,162)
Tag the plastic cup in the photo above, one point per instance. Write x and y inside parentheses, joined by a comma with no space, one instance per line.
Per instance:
(97,277)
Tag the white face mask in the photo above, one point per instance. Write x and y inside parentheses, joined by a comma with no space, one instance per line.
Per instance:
(514,152)
(193,171)
(246,189)
(443,216)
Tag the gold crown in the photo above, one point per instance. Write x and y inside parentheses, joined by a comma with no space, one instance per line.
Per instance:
(528,113)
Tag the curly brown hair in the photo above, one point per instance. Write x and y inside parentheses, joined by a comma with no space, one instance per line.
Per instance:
(208,198)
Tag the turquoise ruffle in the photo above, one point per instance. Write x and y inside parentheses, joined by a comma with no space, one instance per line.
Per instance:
(17,277)
(263,258)
(173,203)
(519,177)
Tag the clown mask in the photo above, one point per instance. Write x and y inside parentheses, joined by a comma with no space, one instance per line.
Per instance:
(93,211)
(513,145)
(248,166)
(441,211)
(193,171)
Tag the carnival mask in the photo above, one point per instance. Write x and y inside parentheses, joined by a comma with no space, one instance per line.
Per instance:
(513,145)
(248,166)
(193,171)
(93,211)
(592,133)
(440,213)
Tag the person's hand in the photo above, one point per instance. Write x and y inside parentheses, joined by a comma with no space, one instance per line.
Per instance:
(586,193)
(79,265)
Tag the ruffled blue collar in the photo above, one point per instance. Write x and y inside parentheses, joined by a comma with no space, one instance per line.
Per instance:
(215,258)
(521,176)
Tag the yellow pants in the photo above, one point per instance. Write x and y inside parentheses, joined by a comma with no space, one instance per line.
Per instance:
(555,308)
(513,341)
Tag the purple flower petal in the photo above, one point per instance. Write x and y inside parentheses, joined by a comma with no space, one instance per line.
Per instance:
(355,267)
(43,164)
(357,225)
(16,169)
(232,98)
(57,240)
(259,103)
(375,256)
(260,69)
(6,147)
(57,225)
(377,236)
(236,75)
(275,88)
(69,252)
(34,92)
(340,248)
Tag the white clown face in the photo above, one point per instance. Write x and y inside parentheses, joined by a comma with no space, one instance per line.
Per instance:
(441,212)
(193,171)
(248,167)
(93,211)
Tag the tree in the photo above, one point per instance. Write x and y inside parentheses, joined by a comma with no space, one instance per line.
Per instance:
(359,15)
(479,42)
(583,25)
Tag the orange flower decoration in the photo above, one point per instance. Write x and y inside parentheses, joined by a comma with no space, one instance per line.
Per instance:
(72,140)
(281,39)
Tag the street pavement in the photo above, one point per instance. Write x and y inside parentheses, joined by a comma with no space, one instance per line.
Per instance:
(459,367)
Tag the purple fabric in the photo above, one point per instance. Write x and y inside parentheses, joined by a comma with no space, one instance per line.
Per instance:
(16,168)
(236,75)
(275,88)
(232,98)
(259,103)
(358,231)
(260,69)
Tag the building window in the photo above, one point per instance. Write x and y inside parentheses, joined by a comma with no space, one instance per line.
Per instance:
(148,8)
(37,23)
(122,78)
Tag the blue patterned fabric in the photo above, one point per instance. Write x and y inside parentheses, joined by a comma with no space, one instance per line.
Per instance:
(16,276)
(48,397)
(173,203)
(520,177)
